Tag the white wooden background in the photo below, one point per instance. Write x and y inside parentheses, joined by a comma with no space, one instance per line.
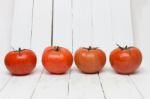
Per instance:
(71,23)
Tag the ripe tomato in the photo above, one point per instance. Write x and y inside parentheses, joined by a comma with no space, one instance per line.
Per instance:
(125,60)
(20,62)
(57,60)
(90,60)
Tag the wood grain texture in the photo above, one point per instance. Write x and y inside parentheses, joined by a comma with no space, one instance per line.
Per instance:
(83,86)
(72,24)
(41,29)
(21,86)
(49,85)
(22,24)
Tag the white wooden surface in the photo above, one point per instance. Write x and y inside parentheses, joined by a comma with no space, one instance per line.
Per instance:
(37,24)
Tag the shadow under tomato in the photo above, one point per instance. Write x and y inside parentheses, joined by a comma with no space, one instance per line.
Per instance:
(49,73)
(28,74)
(75,69)
(140,71)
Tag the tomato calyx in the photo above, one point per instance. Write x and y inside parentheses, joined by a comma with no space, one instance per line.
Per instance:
(19,50)
(90,48)
(56,48)
(124,48)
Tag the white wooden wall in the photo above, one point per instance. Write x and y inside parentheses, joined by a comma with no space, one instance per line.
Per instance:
(37,24)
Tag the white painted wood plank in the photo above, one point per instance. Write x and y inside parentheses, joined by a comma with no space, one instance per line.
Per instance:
(42,29)
(56,86)
(5,35)
(22,23)
(21,87)
(121,22)
(41,38)
(62,23)
(41,32)
(52,86)
(6,8)
(5,77)
(102,30)
(82,23)
(141,78)
(83,86)
(118,86)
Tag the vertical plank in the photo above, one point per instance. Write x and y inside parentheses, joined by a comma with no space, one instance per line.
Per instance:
(41,38)
(41,33)
(54,86)
(81,23)
(102,30)
(42,22)
(62,24)
(121,22)
(22,23)
(83,86)
(21,87)
(6,8)
(141,32)
(119,86)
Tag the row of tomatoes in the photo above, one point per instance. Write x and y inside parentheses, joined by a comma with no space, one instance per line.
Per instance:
(58,60)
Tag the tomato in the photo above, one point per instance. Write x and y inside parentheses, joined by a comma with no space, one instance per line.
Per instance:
(125,60)
(90,60)
(20,62)
(57,60)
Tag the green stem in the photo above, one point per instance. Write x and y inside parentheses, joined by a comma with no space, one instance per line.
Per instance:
(56,48)
(124,48)
(120,47)
(19,50)
(90,47)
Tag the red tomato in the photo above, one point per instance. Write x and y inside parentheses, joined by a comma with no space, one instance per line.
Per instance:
(90,60)
(20,62)
(125,60)
(57,60)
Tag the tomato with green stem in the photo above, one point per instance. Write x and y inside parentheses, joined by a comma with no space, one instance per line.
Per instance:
(57,60)
(90,60)
(21,61)
(125,60)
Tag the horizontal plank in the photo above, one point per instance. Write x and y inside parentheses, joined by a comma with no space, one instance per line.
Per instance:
(84,86)
(5,76)
(141,78)
(118,86)
(52,86)
(20,87)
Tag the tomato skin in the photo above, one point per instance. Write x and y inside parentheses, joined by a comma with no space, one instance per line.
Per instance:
(57,61)
(20,63)
(90,61)
(125,61)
